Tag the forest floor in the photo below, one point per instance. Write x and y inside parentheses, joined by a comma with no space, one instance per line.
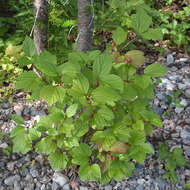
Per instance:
(33,172)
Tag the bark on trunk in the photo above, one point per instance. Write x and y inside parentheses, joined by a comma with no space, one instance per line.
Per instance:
(85,25)
(41,25)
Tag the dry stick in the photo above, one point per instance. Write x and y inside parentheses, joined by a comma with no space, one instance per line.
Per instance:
(35,20)
(65,2)
(70,30)
(39,74)
(131,41)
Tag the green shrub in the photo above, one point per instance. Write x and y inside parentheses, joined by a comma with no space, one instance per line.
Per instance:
(172,160)
(99,111)
(9,68)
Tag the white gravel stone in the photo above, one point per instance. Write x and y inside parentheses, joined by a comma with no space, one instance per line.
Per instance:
(185,135)
(39,159)
(5,105)
(186,142)
(4,145)
(11,180)
(170,59)
(17,185)
(108,187)
(83,188)
(184,102)
(178,110)
(173,69)
(183,59)
(18,108)
(60,178)
(66,187)
(10,166)
(181,86)
(175,135)
(187,93)
(187,151)
(141,181)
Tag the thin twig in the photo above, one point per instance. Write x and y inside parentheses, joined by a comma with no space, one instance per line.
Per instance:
(70,30)
(78,36)
(131,41)
(39,74)
(91,21)
(36,16)
(65,2)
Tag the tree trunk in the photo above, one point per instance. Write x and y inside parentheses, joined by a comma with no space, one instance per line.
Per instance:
(41,25)
(85,25)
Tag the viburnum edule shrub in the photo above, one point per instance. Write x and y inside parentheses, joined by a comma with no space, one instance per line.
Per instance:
(99,112)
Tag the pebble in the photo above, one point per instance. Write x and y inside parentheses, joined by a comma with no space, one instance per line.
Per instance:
(187,109)
(40,159)
(66,187)
(108,187)
(187,93)
(173,69)
(17,185)
(187,173)
(140,187)
(18,108)
(3,145)
(5,105)
(182,86)
(170,59)
(11,180)
(34,173)
(29,178)
(55,186)
(2,164)
(187,128)
(26,111)
(178,110)
(60,178)
(185,134)
(83,188)
(10,166)
(175,135)
(187,121)
(43,187)
(29,186)
(141,181)
(161,97)
(183,59)
(159,110)
(186,142)
(187,151)
(184,102)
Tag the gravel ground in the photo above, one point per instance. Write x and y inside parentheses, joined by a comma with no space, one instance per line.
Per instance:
(33,172)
